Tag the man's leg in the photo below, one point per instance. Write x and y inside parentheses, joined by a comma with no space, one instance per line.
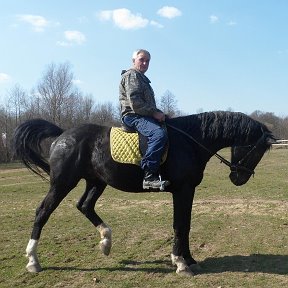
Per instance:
(157,139)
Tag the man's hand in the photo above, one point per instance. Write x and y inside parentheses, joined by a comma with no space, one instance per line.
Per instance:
(159,116)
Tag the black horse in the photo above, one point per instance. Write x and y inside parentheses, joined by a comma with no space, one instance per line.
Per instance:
(84,153)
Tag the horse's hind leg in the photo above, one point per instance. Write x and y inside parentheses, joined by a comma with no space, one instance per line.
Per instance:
(86,205)
(43,212)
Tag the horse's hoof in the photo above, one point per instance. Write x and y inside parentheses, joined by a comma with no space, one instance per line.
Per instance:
(34,268)
(105,246)
(187,272)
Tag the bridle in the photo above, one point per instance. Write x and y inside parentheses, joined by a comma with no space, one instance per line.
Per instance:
(239,164)
(234,167)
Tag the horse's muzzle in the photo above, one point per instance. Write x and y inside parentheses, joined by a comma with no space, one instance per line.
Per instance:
(239,179)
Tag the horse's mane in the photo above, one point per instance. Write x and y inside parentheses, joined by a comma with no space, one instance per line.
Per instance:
(228,125)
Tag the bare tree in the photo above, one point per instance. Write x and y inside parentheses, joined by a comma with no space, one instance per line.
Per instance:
(284,134)
(70,111)
(274,123)
(17,102)
(10,116)
(104,114)
(56,89)
(4,128)
(86,108)
(34,105)
(168,104)
(7,126)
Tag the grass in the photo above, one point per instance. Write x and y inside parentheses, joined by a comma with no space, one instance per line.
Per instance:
(239,234)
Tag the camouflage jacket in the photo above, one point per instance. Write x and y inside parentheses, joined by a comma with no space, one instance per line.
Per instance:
(136,96)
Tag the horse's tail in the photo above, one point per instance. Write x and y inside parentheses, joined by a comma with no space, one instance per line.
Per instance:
(27,140)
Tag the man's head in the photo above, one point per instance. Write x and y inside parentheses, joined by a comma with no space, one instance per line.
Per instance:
(141,59)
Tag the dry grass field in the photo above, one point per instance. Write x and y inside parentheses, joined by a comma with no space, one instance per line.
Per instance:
(239,234)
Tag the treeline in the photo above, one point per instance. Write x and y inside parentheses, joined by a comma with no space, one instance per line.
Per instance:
(57,99)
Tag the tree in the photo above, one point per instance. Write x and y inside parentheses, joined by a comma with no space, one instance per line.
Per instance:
(56,90)
(10,116)
(274,123)
(71,111)
(86,108)
(168,104)
(34,105)
(104,114)
(4,127)
(17,102)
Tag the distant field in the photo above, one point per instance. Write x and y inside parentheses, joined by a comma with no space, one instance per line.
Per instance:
(239,234)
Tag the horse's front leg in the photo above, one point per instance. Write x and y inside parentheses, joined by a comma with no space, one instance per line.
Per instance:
(181,256)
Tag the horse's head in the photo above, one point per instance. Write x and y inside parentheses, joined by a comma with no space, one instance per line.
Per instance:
(244,159)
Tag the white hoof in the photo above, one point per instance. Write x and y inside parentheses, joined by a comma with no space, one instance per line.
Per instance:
(106,238)
(34,268)
(105,246)
(182,267)
(185,272)
(31,253)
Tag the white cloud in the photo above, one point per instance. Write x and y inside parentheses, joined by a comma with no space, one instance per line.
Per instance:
(75,37)
(232,23)
(39,23)
(4,77)
(214,19)
(105,15)
(124,18)
(72,37)
(63,43)
(169,12)
(156,24)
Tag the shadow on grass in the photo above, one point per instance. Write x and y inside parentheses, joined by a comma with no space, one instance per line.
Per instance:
(159,266)
(255,263)
(270,264)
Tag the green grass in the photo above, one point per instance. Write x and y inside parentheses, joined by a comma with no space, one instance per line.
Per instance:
(239,234)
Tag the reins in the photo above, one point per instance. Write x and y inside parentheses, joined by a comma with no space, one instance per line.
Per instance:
(223,160)
(233,167)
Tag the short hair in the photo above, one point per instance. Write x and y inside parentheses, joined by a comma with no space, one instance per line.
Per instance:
(137,52)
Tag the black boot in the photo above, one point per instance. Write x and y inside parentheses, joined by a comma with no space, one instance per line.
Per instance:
(153,181)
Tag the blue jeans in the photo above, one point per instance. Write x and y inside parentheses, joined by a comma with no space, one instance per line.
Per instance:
(157,138)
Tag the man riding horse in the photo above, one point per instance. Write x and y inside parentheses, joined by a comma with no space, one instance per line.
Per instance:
(139,112)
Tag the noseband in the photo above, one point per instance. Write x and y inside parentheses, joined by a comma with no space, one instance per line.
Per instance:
(234,167)
(238,166)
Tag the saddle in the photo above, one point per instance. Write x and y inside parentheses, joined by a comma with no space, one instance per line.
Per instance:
(128,146)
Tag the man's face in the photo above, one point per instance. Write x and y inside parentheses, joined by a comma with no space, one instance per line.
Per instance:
(141,63)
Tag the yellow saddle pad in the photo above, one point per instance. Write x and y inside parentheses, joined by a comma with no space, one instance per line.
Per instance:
(125,147)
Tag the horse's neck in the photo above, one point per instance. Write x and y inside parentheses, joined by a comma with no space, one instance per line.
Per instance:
(216,130)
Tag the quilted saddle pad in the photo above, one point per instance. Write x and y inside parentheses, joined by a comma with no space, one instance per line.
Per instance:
(125,146)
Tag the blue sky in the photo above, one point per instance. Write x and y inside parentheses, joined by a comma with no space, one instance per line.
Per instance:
(211,54)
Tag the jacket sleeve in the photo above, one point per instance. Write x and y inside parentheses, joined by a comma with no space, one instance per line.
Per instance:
(140,95)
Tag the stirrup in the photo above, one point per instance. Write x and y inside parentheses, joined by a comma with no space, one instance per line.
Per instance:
(158,184)
(163,184)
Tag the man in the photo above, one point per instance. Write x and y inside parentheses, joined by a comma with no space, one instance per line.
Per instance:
(139,111)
